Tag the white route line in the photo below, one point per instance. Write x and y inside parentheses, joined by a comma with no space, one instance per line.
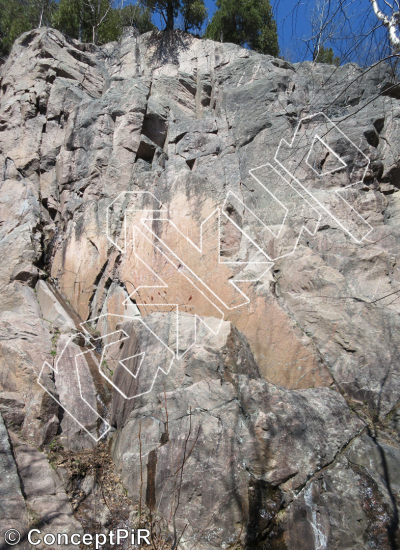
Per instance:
(89,339)
(217,212)
(126,337)
(303,228)
(336,191)
(199,249)
(164,285)
(344,165)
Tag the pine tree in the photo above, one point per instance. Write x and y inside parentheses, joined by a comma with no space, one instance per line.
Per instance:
(194,13)
(249,23)
(19,16)
(40,12)
(326,55)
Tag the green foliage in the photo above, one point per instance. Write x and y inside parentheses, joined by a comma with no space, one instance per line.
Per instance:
(55,338)
(98,21)
(193,12)
(39,11)
(326,55)
(19,16)
(88,21)
(71,18)
(56,445)
(248,23)
(134,15)
(167,9)
(13,23)
(104,364)
(54,341)
(110,30)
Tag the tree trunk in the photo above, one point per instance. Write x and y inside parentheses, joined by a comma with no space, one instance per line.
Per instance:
(81,24)
(170,16)
(391,23)
(41,16)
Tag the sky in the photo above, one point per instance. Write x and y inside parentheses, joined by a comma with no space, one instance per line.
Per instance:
(293,18)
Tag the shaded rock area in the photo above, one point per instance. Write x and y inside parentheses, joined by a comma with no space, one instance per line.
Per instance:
(46,501)
(13,510)
(199,298)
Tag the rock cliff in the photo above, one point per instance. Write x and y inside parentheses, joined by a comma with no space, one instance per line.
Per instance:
(200,250)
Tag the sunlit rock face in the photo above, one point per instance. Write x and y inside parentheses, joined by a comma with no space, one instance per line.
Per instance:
(227,227)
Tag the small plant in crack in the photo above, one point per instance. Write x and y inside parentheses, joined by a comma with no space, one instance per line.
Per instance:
(54,451)
(106,369)
(54,342)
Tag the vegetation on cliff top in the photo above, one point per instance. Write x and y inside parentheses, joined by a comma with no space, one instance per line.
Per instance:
(333,32)
(249,23)
(246,22)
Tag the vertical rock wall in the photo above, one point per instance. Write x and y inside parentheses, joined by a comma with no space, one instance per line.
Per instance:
(285,386)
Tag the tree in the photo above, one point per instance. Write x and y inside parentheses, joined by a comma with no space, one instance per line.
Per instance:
(88,20)
(97,21)
(70,19)
(167,9)
(326,55)
(13,23)
(324,28)
(134,15)
(102,20)
(249,23)
(193,11)
(19,16)
(40,12)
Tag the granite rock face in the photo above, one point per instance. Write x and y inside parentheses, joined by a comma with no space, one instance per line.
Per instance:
(200,250)
(243,445)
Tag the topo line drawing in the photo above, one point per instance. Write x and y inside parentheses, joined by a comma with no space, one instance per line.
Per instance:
(308,179)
